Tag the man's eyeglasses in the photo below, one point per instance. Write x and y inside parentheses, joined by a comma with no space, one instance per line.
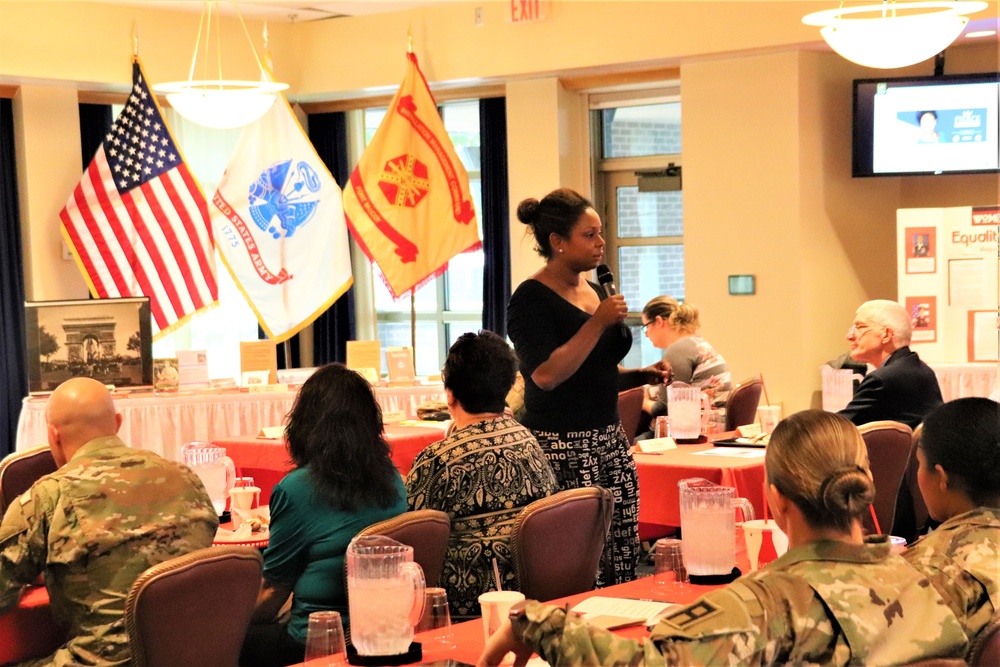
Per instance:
(860,329)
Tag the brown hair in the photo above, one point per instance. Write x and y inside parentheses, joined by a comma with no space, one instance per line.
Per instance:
(819,461)
(557,213)
(681,316)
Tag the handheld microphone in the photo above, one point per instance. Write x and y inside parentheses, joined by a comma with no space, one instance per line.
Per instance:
(607,282)
(606,279)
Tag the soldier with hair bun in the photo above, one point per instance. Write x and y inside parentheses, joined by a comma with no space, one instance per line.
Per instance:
(958,453)
(832,599)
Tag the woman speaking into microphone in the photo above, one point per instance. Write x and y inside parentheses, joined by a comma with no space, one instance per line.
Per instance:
(569,335)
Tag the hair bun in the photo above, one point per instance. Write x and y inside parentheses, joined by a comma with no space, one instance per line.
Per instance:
(527,211)
(849,491)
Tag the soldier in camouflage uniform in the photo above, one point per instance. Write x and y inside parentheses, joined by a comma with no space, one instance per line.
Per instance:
(958,452)
(833,599)
(92,527)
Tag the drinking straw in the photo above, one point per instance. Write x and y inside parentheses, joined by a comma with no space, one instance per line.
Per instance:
(496,573)
(765,501)
(763,386)
(875,519)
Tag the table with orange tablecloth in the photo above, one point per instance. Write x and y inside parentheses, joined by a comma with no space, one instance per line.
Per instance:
(659,499)
(469,639)
(266,460)
(163,422)
(29,630)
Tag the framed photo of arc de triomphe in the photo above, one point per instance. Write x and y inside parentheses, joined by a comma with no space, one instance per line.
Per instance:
(109,340)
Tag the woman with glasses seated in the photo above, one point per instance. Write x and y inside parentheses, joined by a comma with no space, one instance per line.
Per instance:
(673,328)
(832,599)
(343,481)
(482,474)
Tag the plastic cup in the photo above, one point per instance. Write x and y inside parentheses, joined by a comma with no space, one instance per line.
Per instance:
(436,618)
(662,427)
(495,606)
(325,640)
(669,562)
(898,544)
(765,542)
(769,416)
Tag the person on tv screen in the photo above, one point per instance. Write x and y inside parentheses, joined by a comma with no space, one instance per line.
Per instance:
(928,127)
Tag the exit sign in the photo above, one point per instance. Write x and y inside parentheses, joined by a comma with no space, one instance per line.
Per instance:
(524,11)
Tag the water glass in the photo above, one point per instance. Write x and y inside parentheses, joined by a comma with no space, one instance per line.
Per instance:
(669,562)
(661,427)
(436,618)
(325,639)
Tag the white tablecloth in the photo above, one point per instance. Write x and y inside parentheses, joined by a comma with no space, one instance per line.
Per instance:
(164,422)
(961,380)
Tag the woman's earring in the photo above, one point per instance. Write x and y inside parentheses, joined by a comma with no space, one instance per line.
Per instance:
(560,249)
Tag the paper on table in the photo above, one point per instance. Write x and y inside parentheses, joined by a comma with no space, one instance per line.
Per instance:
(742,452)
(629,612)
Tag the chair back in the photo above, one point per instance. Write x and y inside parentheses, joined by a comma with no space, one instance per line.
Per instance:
(556,542)
(427,531)
(20,470)
(986,646)
(741,406)
(911,511)
(630,411)
(889,444)
(193,610)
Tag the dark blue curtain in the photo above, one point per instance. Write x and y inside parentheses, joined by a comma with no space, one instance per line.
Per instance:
(13,368)
(496,213)
(95,122)
(332,329)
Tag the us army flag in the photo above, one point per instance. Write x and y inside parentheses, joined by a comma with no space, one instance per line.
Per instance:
(279,225)
(407,203)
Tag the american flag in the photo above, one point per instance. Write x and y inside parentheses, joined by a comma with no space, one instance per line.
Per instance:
(138,221)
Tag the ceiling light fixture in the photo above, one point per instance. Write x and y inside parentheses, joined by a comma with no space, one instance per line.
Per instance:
(220,103)
(893,34)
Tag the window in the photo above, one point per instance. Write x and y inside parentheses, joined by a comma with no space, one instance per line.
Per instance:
(451,304)
(638,172)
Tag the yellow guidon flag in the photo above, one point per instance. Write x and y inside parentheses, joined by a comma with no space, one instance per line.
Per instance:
(408,203)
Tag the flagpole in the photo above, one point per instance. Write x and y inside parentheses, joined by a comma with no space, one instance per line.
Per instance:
(413,321)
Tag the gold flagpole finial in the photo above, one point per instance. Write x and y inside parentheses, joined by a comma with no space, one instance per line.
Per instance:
(135,40)
(409,38)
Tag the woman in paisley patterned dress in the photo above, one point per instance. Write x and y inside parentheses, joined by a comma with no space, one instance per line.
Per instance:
(482,474)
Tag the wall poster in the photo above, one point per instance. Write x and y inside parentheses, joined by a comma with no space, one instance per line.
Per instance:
(921,249)
(923,317)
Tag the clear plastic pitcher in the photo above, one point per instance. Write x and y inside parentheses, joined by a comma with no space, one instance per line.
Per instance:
(708,525)
(385,593)
(684,408)
(838,387)
(216,470)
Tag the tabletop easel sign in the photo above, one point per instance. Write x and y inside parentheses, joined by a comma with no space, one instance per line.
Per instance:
(399,361)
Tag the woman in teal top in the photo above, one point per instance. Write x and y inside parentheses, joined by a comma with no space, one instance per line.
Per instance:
(343,482)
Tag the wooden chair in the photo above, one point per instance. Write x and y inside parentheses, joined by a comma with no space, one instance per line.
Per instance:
(630,411)
(427,531)
(741,406)
(889,444)
(556,542)
(193,610)
(20,470)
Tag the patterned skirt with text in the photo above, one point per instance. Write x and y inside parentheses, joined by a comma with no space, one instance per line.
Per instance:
(600,457)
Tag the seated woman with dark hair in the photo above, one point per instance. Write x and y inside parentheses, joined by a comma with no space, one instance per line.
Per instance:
(343,482)
(484,473)
(832,599)
(958,452)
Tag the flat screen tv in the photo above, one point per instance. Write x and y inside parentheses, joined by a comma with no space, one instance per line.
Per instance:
(927,125)
(110,340)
